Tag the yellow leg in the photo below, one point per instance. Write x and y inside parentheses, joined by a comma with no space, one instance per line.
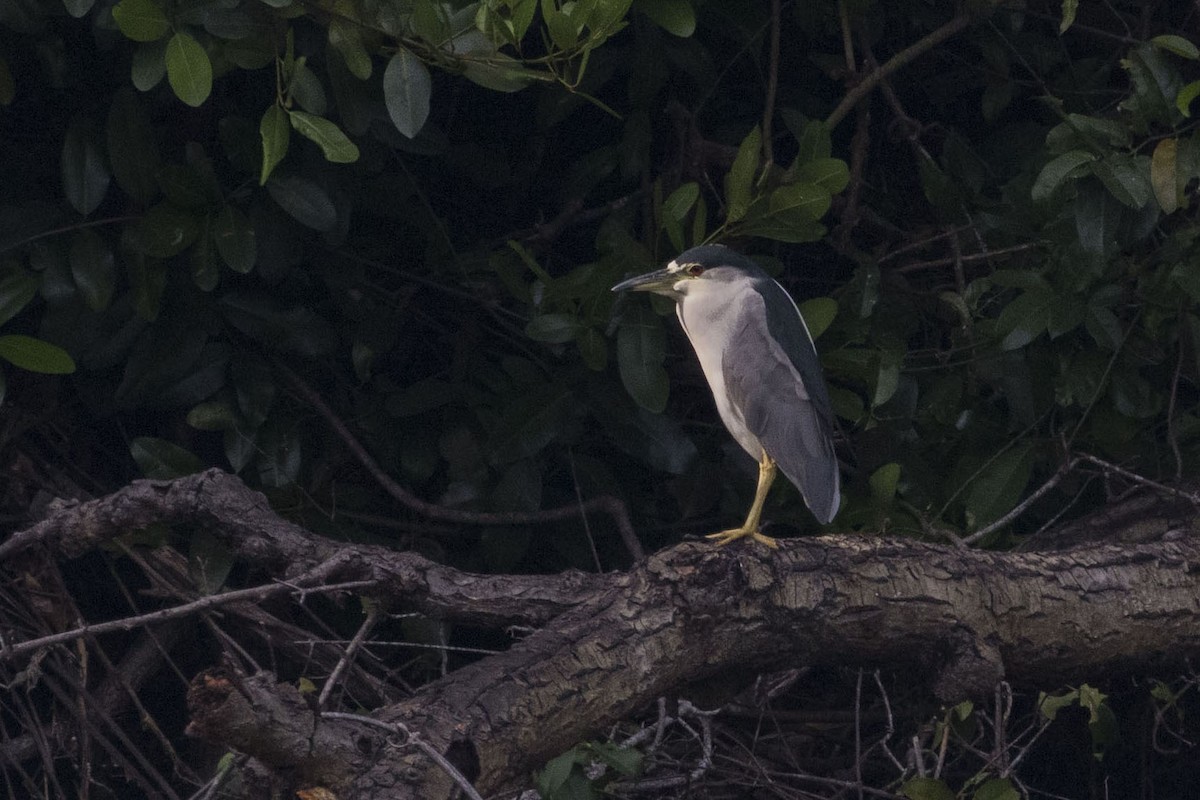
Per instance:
(766,476)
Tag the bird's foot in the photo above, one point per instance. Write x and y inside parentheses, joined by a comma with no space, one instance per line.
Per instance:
(732,535)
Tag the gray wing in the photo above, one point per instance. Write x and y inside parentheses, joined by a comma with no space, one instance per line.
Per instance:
(775,379)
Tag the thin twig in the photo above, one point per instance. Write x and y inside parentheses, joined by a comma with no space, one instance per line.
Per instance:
(9,652)
(890,728)
(847,37)
(917,266)
(858,778)
(1024,505)
(772,85)
(335,676)
(613,506)
(923,45)
(587,527)
(1172,433)
(1133,476)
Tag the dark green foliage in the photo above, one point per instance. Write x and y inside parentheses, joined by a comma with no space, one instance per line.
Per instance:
(397,241)
(420,208)
(424,231)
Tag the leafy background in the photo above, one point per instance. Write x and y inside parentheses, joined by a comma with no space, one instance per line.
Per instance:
(417,209)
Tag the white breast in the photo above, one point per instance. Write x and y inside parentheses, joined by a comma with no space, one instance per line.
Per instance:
(709,317)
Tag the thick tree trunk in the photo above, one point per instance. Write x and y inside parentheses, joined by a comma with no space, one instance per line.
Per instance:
(610,645)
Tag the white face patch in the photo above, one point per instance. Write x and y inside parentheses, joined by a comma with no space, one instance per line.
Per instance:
(683,279)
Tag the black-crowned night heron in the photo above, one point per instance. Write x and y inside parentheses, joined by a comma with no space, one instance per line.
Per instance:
(761,364)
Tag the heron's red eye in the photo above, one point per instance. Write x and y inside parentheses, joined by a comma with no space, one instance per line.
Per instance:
(695,270)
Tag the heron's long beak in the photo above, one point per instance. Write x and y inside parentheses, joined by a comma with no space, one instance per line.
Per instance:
(656,281)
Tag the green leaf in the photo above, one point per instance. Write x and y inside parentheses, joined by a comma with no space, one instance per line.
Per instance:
(999,486)
(162,460)
(209,561)
(681,201)
(307,90)
(1025,318)
(641,347)
(1097,217)
(163,231)
(78,8)
(1069,7)
(184,187)
(564,31)
(1163,178)
(406,90)
(304,201)
(673,16)
(1058,171)
(887,381)
(1081,131)
(846,404)
(553,328)
(206,272)
(240,447)
(149,65)
(1125,178)
(625,760)
(831,174)
(279,456)
(17,288)
(740,180)
(883,482)
(328,136)
(84,176)
(1183,100)
(499,72)
(1104,327)
(93,268)
(997,789)
(149,278)
(214,415)
(141,20)
(926,789)
(188,69)
(132,148)
(529,422)
(818,314)
(807,200)
(345,36)
(1066,314)
(35,355)
(254,388)
(556,773)
(1050,705)
(235,239)
(783,228)
(1177,45)
(275,133)
(431,22)
(291,329)
(813,140)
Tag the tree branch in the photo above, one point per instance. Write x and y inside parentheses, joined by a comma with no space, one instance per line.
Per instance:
(608,504)
(611,645)
(243,521)
(906,56)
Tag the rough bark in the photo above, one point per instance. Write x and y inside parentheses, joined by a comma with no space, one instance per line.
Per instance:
(611,644)
(243,520)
